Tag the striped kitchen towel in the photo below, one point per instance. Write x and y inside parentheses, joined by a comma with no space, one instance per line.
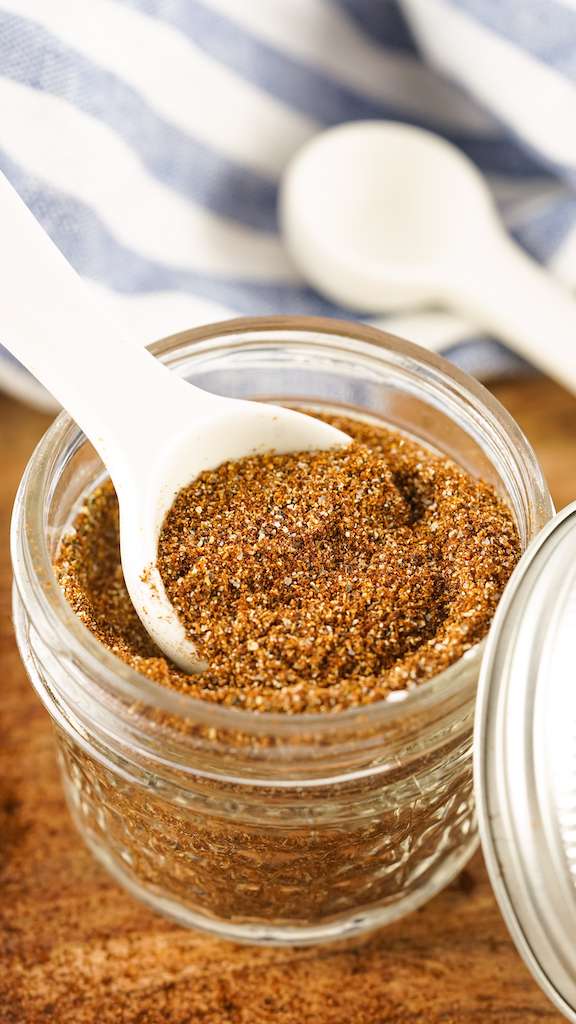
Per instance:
(148,138)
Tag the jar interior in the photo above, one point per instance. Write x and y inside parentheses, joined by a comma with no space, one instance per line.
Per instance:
(342,382)
(317,377)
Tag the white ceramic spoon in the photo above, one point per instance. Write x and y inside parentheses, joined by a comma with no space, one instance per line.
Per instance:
(154,431)
(381,216)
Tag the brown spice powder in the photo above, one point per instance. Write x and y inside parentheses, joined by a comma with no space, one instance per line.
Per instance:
(308,582)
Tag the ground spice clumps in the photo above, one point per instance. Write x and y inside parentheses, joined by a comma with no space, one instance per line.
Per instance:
(311,581)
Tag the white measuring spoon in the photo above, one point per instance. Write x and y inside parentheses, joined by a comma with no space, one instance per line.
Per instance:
(154,431)
(381,216)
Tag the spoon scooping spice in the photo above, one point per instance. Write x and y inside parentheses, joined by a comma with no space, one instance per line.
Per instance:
(154,431)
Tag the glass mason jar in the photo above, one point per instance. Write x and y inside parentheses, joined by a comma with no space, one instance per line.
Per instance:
(269,827)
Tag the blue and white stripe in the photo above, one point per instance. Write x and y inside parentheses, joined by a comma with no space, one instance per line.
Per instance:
(149,136)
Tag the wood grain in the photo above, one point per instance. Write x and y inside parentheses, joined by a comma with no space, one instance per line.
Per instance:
(76,950)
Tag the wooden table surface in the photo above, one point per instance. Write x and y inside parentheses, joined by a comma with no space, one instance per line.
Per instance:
(75,949)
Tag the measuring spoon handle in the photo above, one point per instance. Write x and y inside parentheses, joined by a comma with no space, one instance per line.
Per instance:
(513,297)
(124,399)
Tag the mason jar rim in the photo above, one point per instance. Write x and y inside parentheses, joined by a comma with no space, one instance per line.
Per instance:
(33,563)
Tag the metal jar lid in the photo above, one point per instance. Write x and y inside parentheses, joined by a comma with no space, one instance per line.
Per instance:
(525,758)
